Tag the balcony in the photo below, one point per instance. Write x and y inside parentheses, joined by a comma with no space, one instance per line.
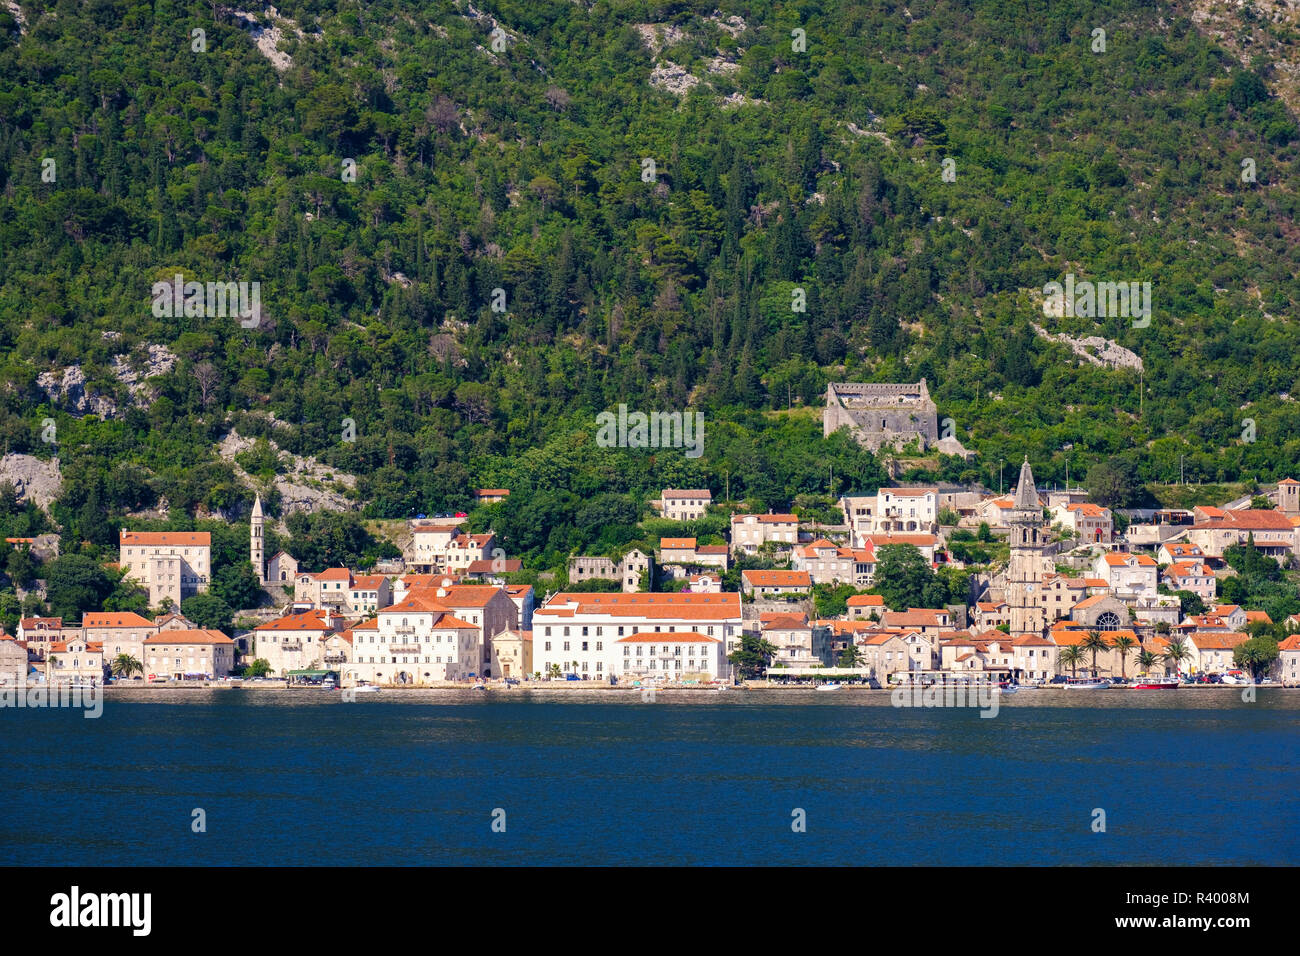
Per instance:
(335,659)
(404,630)
(291,647)
(405,649)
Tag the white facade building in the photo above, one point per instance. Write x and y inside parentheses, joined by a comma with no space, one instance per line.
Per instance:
(581,633)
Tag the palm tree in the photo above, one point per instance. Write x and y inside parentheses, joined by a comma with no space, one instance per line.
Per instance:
(850,656)
(554,671)
(1177,652)
(1123,643)
(1071,656)
(1094,642)
(124,665)
(1147,660)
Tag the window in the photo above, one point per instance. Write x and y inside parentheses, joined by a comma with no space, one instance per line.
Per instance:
(566,643)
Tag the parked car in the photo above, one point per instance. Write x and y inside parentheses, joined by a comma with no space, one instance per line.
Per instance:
(1061,679)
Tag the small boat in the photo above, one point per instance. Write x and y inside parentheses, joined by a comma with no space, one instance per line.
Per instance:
(1085,683)
(365,689)
(1008,688)
(1154,683)
(832,685)
(479,687)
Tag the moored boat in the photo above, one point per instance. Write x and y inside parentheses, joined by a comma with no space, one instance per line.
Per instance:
(832,685)
(1154,683)
(1085,683)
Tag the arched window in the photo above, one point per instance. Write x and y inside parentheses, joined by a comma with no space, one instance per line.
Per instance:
(1108,621)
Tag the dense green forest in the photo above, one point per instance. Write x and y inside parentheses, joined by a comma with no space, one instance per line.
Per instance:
(519,162)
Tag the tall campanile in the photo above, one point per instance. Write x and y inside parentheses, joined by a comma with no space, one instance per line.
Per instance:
(1029,562)
(256,544)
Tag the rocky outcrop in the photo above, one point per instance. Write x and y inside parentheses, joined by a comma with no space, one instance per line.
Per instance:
(156,360)
(267,29)
(35,479)
(305,486)
(66,389)
(1095,349)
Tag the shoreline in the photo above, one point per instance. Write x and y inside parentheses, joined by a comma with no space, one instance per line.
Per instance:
(574,686)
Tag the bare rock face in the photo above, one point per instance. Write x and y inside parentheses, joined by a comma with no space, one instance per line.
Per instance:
(1095,349)
(158,360)
(67,390)
(33,478)
(306,484)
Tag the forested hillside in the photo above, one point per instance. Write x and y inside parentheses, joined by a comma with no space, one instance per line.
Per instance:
(520,160)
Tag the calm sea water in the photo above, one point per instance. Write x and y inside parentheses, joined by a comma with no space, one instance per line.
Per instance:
(300,778)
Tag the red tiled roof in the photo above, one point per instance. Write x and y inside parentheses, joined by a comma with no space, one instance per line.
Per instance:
(314,620)
(202,539)
(487,565)
(115,619)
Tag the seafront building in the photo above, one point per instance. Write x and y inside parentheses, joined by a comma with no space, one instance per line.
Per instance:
(415,642)
(183,655)
(599,635)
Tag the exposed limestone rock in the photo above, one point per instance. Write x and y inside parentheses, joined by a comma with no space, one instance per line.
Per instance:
(35,479)
(67,390)
(303,487)
(1095,349)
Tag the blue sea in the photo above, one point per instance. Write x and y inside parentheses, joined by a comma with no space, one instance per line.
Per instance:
(535,777)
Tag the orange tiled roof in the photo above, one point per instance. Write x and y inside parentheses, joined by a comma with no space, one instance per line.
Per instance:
(668,637)
(201,539)
(196,636)
(1217,640)
(314,620)
(776,579)
(115,619)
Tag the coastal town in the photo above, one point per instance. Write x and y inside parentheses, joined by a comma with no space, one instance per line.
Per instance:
(1077,589)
